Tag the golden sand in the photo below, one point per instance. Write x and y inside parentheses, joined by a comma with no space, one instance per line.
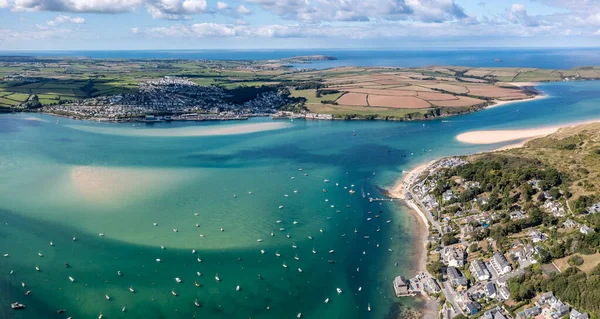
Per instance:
(189,131)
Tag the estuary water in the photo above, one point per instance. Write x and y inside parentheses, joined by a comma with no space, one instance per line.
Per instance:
(223,196)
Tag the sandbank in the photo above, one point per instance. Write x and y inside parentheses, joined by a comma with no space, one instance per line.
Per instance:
(188,131)
(499,136)
(501,103)
(107,185)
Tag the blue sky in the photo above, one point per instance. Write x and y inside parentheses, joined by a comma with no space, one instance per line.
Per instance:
(260,24)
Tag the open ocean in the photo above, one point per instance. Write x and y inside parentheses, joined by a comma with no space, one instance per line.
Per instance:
(481,57)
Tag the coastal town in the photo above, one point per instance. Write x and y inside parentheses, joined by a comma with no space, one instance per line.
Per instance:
(479,251)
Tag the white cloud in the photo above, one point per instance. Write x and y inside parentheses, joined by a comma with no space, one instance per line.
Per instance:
(242,9)
(3,4)
(65,19)
(90,6)
(518,15)
(222,5)
(135,30)
(361,10)
(176,9)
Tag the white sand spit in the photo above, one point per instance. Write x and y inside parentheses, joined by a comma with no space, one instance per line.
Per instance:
(188,131)
(499,136)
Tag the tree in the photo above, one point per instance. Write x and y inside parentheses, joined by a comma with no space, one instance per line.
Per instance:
(449,239)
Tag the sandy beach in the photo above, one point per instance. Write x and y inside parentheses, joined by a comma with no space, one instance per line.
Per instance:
(420,227)
(485,137)
(499,136)
(498,103)
(188,131)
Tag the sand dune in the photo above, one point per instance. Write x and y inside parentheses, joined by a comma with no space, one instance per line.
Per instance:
(188,131)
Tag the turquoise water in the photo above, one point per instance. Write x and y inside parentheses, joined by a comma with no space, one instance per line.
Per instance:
(63,178)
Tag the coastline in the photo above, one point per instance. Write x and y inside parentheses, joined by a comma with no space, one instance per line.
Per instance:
(520,136)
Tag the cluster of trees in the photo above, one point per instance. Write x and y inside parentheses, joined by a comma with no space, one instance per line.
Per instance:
(500,176)
(580,290)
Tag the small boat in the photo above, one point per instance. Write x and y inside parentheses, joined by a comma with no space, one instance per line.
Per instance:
(158,260)
(217,277)
(175,230)
(284,265)
(359,288)
(326,181)
(27,292)
(280,207)
(339,291)
(299,269)
(199,259)
(173,293)
(193,251)
(389,249)
(357,269)
(123,309)
(162,247)
(37,268)
(119,273)
(299,315)
(196,284)
(11,272)
(131,289)
(262,251)
(222,230)
(107,297)
(5,255)
(71,279)
(351,191)
(388,221)
(310,237)
(295,190)
(296,257)
(23,284)
(199,274)
(294,246)
(295,223)
(286,195)
(281,229)
(196,303)
(51,244)
(40,254)
(197,225)
(369,307)
(355,231)
(155,224)
(288,235)
(100,316)
(259,240)
(237,288)
(17,305)
(327,300)
(196,214)
(331,261)
(321,230)
(202,236)
(177,279)
(332,251)
(101,234)
(74,238)
(272,234)
(277,254)
(314,251)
